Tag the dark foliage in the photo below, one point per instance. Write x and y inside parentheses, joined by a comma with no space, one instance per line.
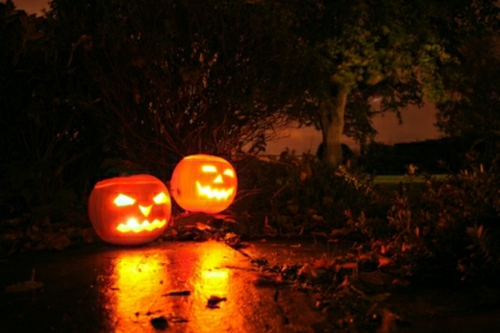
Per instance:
(176,78)
(48,141)
(436,156)
(451,228)
(296,195)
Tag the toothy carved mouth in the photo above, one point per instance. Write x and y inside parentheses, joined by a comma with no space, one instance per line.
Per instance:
(133,226)
(210,193)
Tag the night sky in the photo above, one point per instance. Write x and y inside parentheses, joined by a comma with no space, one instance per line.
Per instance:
(31,6)
(418,124)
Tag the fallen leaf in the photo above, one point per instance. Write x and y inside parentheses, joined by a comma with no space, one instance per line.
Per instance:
(388,323)
(307,271)
(58,242)
(337,233)
(348,265)
(318,217)
(320,263)
(232,239)
(346,283)
(203,226)
(159,323)
(401,282)
(178,293)
(384,261)
(213,301)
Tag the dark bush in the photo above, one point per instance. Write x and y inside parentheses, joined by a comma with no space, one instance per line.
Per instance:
(49,145)
(446,155)
(301,194)
(452,227)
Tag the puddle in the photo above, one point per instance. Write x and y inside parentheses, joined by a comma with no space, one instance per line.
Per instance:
(205,287)
(181,287)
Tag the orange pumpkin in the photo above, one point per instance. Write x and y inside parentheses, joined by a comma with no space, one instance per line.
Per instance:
(129,210)
(204,183)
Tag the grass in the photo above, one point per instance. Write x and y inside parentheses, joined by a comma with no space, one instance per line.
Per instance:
(396,179)
(413,185)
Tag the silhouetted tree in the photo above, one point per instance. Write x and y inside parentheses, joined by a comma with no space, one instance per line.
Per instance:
(473,111)
(396,48)
(47,141)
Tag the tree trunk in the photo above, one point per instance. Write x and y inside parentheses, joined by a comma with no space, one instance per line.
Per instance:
(332,127)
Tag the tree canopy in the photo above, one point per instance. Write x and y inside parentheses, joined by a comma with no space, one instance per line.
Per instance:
(156,80)
(395,48)
(471,114)
(473,108)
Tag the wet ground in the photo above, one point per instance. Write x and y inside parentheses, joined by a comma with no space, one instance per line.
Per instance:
(205,287)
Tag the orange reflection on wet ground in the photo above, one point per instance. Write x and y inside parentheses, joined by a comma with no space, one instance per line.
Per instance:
(139,282)
(136,282)
(212,281)
(213,278)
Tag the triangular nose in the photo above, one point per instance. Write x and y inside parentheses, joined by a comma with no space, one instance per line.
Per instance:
(218,180)
(145,210)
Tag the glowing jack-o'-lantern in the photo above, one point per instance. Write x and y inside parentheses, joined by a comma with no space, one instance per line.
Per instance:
(129,210)
(204,183)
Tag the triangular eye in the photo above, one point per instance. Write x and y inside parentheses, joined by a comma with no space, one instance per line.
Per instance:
(229,173)
(160,198)
(208,168)
(124,200)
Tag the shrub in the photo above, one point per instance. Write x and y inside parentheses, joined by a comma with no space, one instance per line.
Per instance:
(453,226)
(300,194)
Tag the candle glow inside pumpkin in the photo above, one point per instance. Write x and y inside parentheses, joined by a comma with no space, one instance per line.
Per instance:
(130,210)
(204,183)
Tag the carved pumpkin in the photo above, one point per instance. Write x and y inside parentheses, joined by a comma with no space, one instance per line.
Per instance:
(204,183)
(129,210)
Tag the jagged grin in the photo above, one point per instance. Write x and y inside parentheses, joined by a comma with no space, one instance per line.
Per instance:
(208,192)
(133,225)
